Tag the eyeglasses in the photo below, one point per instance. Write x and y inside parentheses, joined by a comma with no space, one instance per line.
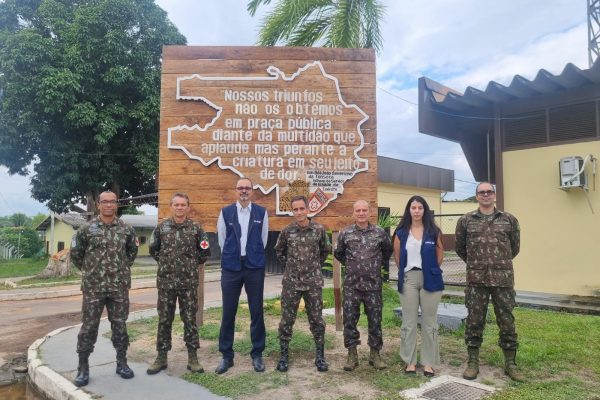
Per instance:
(244,188)
(106,202)
(486,192)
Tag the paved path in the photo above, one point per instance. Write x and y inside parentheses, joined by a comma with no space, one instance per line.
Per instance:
(52,363)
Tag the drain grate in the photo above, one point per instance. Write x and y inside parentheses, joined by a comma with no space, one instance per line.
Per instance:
(454,391)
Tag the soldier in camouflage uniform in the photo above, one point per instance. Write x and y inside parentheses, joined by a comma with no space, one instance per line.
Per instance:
(302,247)
(362,247)
(104,251)
(487,239)
(180,246)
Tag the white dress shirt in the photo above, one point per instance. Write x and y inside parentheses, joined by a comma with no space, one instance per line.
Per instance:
(413,253)
(243,214)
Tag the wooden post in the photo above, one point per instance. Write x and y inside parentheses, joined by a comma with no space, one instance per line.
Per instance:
(337,284)
(200,312)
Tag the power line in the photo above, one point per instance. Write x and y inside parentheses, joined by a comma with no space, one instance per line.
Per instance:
(533,115)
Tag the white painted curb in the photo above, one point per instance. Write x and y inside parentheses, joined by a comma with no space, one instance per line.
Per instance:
(48,382)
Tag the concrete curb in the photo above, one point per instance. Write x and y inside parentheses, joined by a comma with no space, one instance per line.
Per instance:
(47,381)
(75,291)
(55,386)
(48,293)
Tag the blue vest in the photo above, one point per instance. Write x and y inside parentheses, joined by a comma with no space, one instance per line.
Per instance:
(432,273)
(255,249)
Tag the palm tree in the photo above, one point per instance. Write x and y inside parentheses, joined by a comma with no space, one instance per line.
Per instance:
(329,23)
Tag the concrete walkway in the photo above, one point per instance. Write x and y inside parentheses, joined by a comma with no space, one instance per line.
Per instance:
(52,360)
(52,364)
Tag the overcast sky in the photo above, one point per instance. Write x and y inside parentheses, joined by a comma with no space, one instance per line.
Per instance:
(459,43)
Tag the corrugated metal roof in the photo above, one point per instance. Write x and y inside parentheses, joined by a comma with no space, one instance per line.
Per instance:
(408,173)
(520,87)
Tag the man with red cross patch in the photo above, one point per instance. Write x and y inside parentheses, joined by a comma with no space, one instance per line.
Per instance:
(181,247)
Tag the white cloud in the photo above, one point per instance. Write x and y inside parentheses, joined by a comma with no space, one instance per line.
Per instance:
(15,196)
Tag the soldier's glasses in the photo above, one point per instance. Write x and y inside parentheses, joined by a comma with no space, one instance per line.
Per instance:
(486,192)
(246,188)
(108,202)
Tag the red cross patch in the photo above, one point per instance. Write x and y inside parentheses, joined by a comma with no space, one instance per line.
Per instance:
(204,244)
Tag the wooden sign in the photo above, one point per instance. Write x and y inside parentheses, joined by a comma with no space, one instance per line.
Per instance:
(293,120)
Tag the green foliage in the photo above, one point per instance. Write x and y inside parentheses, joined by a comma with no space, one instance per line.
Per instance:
(239,385)
(328,23)
(22,267)
(571,388)
(209,331)
(25,240)
(20,219)
(73,277)
(37,219)
(80,86)
(131,210)
(389,220)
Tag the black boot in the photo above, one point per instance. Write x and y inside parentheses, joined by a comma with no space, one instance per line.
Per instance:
(83,370)
(122,368)
(320,358)
(282,365)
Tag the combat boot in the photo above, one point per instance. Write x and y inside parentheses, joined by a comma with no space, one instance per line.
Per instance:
(159,364)
(193,363)
(510,366)
(352,361)
(83,370)
(375,359)
(122,368)
(472,369)
(284,356)
(320,358)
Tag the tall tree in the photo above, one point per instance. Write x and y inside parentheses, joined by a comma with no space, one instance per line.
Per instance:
(80,95)
(20,219)
(328,23)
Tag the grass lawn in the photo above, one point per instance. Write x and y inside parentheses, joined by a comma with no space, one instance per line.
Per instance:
(22,267)
(558,354)
(25,267)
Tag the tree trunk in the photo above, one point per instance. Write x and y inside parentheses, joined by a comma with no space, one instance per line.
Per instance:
(90,205)
(58,265)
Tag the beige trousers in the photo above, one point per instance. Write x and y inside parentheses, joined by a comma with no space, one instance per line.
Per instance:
(414,295)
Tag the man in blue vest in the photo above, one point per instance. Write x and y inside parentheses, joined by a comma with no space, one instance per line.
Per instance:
(243,230)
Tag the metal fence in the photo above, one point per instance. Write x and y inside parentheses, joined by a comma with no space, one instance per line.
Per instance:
(453,267)
(454,271)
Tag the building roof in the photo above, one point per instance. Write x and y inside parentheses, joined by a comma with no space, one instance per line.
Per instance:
(400,172)
(520,87)
(469,118)
(76,220)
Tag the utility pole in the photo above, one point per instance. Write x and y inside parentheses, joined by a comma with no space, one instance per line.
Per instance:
(593,14)
(19,244)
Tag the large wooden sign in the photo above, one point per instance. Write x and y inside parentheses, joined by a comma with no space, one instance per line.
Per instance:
(293,120)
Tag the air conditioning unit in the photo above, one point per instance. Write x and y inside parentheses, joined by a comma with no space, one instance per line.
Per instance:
(571,172)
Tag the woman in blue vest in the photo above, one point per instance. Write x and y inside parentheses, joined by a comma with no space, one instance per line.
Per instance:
(419,252)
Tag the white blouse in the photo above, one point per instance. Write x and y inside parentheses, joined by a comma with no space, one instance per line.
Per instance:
(413,253)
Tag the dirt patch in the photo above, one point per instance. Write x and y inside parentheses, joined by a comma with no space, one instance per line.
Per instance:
(302,381)
(17,337)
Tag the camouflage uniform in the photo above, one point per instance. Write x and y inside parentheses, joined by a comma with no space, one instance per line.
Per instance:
(488,243)
(363,252)
(180,249)
(104,253)
(303,251)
